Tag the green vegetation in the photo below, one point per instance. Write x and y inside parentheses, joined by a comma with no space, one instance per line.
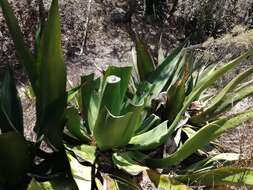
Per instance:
(109,129)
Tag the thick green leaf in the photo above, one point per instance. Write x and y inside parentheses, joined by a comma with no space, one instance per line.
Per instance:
(24,55)
(90,99)
(111,98)
(209,162)
(73,93)
(175,100)
(11,115)
(59,183)
(204,83)
(221,176)
(124,73)
(149,123)
(80,173)
(118,183)
(115,131)
(84,152)
(145,62)
(202,138)
(74,125)
(165,182)
(217,99)
(151,139)
(165,71)
(232,98)
(125,162)
(15,161)
(52,82)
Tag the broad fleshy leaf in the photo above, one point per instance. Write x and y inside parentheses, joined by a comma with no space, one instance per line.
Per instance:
(125,162)
(80,173)
(52,96)
(59,183)
(165,182)
(75,126)
(115,131)
(150,139)
(124,73)
(90,99)
(84,152)
(145,62)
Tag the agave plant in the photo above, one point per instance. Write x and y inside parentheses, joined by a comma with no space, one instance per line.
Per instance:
(121,125)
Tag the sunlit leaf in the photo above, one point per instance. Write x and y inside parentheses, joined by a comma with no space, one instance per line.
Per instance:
(204,135)
(150,139)
(125,162)
(204,83)
(60,183)
(217,99)
(84,152)
(165,182)
(80,173)
(221,176)
(115,131)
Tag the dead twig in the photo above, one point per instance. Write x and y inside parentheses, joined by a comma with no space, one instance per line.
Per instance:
(86,28)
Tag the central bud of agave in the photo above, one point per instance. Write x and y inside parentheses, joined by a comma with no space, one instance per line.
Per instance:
(112,79)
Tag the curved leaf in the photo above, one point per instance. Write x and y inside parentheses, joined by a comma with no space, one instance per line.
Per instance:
(151,139)
(217,99)
(145,63)
(115,131)
(52,96)
(165,182)
(202,138)
(74,125)
(220,176)
(84,152)
(204,83)
(125,162)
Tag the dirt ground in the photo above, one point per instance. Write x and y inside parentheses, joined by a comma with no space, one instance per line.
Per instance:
(95,34)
